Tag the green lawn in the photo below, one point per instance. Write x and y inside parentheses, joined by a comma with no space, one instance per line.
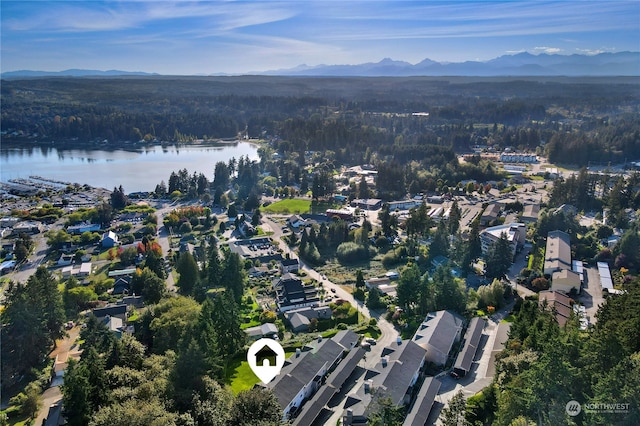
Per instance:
(289,205)
(239,374)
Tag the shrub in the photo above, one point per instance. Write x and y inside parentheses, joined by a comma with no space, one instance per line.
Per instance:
(342,326)
(185,228)
(267,316)
(350,252)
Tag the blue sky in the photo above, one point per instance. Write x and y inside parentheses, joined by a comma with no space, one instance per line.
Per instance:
(210,37)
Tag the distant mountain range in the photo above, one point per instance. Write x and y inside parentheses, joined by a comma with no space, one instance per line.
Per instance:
(71,73)
(521,64)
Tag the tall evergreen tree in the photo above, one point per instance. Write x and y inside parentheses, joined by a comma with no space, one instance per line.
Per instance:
(214,265)
(187,267)
(499,258)
(234,275)
(226,322)
(408,285)
(453,222)
(75,391)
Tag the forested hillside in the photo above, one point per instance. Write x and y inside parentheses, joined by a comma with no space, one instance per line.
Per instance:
(545,366)
(574,120)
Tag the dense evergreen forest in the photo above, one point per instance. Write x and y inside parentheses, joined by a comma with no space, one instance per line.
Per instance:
(573,121)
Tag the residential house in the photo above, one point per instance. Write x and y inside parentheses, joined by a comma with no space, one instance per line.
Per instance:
(437,334)
(122,285)
(295,221)
(85,270)
(257,271)
(8,221)
(383,285)
(121,272)
(305,372)
(109,239)
(530,213)
(187,247)
(114,325)
(471,341)
(268,330)
(490,214)
(65,260)
(421,409)
(395,377)
(333,384)
(289,265)
(299,323)
(135,301)
(556,302)
(112,310)
(246,229)
(299,319)
(292,293)
(565,280)
(54,416)
(557,256)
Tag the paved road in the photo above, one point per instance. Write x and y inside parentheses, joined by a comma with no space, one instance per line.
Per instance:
(591,294)
(163,240)
(481,374)
(65,348)
(388,332)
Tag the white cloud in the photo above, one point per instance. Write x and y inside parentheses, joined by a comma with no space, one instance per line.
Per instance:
(546,49)
(596,51)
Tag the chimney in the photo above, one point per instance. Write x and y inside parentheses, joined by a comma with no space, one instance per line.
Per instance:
(347,419)
(368,386)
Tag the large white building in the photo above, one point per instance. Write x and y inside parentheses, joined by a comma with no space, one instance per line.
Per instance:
(516,234)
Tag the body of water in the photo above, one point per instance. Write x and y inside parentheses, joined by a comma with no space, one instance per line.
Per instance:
(135,170)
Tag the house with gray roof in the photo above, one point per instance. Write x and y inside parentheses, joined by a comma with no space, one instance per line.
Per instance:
(420,410)
(471,341)
(557,255)
(396,376)
(269,330)
(303,374)
(437,334)
(292,293)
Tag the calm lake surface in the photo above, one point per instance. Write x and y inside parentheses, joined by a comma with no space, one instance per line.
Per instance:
(135,170)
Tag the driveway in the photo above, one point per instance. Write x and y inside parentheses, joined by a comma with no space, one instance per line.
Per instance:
(64,349)
(591,294)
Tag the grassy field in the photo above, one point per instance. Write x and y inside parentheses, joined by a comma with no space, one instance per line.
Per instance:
(289,205)
(239,374)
